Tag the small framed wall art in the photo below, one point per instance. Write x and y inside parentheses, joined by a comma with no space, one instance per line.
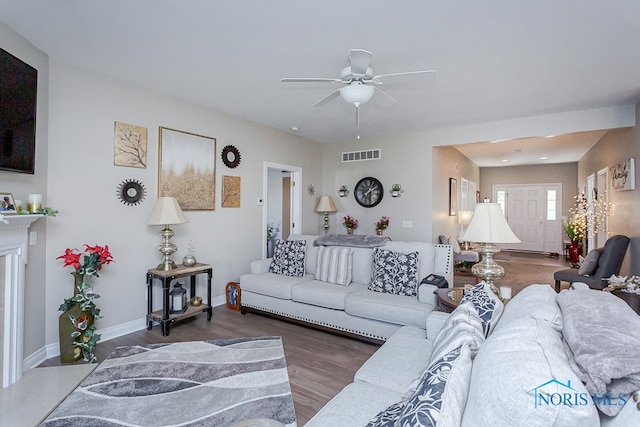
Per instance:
(623,175)
(453,196)
(130,145)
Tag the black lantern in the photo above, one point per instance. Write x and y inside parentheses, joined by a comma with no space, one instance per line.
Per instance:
(178,297)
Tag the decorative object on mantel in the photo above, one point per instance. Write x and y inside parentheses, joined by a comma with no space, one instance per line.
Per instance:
(350,223)
(326,205)
(167,212)
(76,323)
(131,192)
(130,145)
(396,190)
(189,260)
(7,204)
(623,175)
(34,202)
(487,228)
(230,156)
(343,191)
(382,225)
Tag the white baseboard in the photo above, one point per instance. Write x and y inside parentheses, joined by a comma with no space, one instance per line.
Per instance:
(53,349)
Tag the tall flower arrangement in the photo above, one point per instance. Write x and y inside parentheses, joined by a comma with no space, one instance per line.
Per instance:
(86,266)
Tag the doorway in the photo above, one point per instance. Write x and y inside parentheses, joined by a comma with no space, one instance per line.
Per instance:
(533,212)
(282,201)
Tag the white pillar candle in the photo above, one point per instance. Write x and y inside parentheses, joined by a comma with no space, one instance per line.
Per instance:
(505,292)
(34,202)
(18,205)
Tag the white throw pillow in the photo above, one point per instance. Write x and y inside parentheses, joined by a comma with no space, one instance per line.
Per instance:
(334,265)
(455,245)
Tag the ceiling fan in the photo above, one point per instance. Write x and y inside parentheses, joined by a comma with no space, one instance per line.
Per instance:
(359,82)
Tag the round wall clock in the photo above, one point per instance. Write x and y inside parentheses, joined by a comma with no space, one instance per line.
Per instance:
(368,192)
(131,192)
(230,156)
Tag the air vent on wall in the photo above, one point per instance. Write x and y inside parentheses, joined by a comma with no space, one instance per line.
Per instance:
(358,156)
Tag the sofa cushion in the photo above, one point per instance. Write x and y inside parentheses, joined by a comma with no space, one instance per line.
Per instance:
(355,405)
(334,265)
(486,303)
(400,360)
(322,294)
(536,301)
(398,309)
(270,284)
(516,366)
(394,272)
(288,258)
(442,392)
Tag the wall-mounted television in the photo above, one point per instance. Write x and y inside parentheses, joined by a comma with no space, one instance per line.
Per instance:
(18,95)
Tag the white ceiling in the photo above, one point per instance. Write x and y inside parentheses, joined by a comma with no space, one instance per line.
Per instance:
(496,60)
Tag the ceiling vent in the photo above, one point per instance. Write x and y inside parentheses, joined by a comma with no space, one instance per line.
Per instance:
(358,156)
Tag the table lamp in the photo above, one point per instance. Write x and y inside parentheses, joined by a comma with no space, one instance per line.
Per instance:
(488,227)
(325,205)
(167,212)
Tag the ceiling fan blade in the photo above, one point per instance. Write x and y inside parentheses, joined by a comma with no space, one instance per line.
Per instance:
(327,98)
(310,79)
(389,97)
(360,61)
(376,79)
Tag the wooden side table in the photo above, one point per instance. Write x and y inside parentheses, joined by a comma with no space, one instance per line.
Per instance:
(166,277)
(448,298)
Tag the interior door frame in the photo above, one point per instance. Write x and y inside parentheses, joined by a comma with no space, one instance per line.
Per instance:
(296,199)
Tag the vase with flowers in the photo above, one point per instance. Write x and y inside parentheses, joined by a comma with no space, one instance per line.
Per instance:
(382,225)
(350,223)
(576,231)
(76,324)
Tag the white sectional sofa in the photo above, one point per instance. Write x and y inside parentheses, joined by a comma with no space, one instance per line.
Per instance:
(521,374)
(351,308)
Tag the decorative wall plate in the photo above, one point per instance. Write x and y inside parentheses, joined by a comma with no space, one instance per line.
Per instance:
(311,190)
(230,156)
(131,192)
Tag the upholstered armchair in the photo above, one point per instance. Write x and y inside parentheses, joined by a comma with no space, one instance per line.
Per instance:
(599,265)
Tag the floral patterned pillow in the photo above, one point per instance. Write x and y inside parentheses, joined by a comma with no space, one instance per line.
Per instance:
(395,272)
(288,258)
(486,303)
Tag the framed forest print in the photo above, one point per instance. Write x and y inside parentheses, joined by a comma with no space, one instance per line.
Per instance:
(187,169)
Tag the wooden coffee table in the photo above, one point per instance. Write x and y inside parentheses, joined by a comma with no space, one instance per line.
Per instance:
(448,298)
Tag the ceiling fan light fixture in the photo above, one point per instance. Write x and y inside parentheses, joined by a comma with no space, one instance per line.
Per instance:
(357,93)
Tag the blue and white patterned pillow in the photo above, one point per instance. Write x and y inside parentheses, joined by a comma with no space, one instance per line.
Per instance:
(389,416)
(442,393)
(288,258)
(395,272)
(486,303)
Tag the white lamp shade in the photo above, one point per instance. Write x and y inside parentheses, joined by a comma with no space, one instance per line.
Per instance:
(326,205)
(167,211)
(489,225)
(464,217)
(357,92)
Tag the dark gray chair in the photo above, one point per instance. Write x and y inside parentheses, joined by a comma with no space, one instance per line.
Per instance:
(609,263)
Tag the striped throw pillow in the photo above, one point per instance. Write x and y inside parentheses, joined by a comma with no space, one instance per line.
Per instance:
(334,265)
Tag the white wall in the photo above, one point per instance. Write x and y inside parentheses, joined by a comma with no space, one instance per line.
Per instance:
(22,184)
(83,182)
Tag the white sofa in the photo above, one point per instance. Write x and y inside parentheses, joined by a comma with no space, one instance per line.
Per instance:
(523,358)
(352,309)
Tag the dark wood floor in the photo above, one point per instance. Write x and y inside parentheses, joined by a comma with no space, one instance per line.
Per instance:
(320,364)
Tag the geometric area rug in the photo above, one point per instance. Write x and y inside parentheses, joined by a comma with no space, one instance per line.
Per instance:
(197,383)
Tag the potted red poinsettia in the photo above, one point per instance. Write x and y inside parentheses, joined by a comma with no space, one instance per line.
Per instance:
(76,324)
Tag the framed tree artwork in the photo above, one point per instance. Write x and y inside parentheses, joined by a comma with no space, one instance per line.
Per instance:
(130,145)
(187,169)
(230,191)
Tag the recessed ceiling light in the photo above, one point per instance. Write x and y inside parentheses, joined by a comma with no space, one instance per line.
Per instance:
(544,158)
(549,136)
(295,128)
(504,160)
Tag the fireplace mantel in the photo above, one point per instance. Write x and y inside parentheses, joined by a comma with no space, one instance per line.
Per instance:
(14,244)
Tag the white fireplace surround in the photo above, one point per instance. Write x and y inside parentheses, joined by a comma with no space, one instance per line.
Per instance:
(14,243)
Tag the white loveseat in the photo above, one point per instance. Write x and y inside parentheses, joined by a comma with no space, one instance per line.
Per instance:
(520,375)
(352,309)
